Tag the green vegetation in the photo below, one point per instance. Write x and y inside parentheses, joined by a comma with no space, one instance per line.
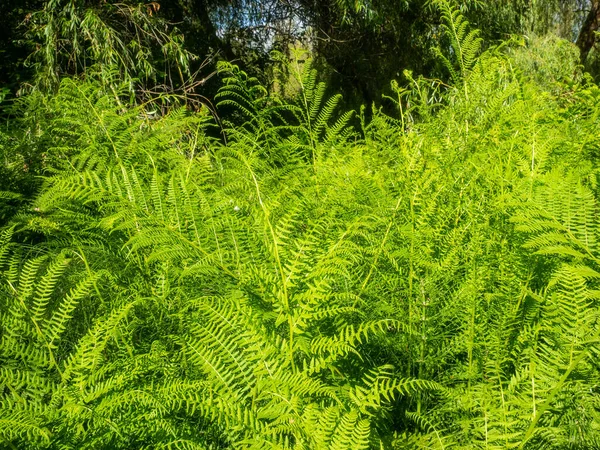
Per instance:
(267,270)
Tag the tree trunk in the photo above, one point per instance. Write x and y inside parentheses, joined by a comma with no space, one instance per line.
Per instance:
(586,38)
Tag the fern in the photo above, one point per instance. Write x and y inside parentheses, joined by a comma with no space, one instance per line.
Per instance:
(428,281)
(465,44)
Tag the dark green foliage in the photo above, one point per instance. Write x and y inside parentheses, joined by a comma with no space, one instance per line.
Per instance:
(360,44)
(424,280)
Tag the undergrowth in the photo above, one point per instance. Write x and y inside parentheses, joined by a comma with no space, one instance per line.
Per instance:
(286,275)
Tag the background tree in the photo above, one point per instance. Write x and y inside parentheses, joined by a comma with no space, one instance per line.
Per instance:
(361,44)
(587,35)
(13,50)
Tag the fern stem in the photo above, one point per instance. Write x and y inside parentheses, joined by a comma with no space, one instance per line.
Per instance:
(286,302)
(380,249)
(548,402)
(100,120)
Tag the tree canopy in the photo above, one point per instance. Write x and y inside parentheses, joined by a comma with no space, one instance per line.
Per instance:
(362,44)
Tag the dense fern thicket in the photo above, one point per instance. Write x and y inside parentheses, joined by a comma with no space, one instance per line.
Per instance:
(287,275)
